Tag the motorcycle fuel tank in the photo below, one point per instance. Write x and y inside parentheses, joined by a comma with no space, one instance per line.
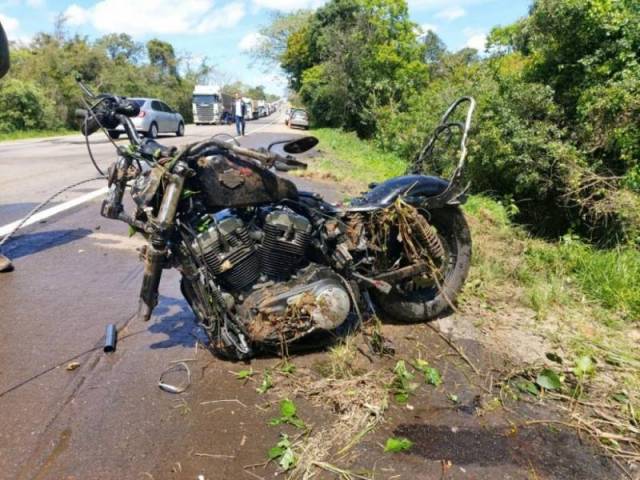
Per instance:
(231,182)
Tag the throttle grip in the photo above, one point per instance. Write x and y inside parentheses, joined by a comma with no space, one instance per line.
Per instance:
(89,124)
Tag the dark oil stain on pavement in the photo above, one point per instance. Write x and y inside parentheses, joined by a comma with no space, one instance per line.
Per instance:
(558,454)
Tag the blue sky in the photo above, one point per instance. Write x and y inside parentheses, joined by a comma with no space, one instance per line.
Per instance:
(222,30)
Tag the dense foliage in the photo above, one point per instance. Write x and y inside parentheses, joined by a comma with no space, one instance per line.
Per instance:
(556,133)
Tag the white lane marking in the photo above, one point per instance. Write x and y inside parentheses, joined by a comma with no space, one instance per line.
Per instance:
(49,212)
(5,229)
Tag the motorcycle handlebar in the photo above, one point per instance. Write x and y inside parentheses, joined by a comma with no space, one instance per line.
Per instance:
(90,123)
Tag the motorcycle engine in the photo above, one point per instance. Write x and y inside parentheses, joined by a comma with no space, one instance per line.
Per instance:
(278,294)
(285,241)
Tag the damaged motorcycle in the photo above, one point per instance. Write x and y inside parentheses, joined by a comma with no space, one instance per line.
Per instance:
(266,267)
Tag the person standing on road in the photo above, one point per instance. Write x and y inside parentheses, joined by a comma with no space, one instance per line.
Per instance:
(239,111)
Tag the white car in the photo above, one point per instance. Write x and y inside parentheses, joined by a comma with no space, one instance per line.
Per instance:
(155,117)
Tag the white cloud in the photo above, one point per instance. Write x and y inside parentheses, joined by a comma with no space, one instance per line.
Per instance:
(11,26)
(76,15)
(288,5)
(477,41)
(451,13)
(425,27)
(141,17)
(250,41)
(35,3)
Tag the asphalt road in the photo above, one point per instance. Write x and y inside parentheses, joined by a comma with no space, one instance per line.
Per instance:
(74,274)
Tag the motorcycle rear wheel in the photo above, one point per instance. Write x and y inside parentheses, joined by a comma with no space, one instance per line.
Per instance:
(426,303)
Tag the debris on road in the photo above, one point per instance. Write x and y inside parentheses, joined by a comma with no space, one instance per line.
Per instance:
(72,366)
(169,388)
(110,338)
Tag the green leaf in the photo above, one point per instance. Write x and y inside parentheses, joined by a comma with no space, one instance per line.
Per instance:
(266,384)
(284,451)
(401,397)
(276,421)
(287,368)
(132,231)
(244,374)
(288,459)
(432,376)
(395,445)
(420,364)
(620,397)
(275,452)
(548,379)
(584,366)
(287,408)
(401,371)
(453,397)
(528,387)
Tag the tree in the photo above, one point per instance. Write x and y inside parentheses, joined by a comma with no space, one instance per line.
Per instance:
(162,56)
(353,56)
(275,36)
(120,47)
(434,47)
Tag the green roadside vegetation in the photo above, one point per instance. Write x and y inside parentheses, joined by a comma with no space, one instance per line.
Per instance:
(26,134)
(590,293)
(348,159)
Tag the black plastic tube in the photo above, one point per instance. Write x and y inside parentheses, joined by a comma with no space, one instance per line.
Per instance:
(110,339)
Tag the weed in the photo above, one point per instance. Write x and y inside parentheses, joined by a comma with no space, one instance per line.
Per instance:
(267,383)
(283,452)
(288,414)
(402,385)
(396,445)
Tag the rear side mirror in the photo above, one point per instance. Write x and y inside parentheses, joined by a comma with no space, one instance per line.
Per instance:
(4,53)
(300,145)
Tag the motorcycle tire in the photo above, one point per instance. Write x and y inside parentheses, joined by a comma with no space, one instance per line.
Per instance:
(427,303)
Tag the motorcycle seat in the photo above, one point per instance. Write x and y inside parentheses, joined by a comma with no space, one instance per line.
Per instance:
(385,193)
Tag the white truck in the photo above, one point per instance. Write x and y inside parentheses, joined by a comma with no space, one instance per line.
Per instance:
(262,108)
(211,106)
(250,108)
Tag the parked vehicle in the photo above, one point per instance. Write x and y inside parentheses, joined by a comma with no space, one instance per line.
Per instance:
(268,268)
(299,119)
(154,117)
(211,106)
(250,109)
(262,108)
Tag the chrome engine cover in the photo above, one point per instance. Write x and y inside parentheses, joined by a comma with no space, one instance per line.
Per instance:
(316,299)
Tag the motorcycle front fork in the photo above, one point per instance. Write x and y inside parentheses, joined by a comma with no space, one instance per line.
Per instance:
(156,254)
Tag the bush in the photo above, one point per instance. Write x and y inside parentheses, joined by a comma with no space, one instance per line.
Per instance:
(25,107)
